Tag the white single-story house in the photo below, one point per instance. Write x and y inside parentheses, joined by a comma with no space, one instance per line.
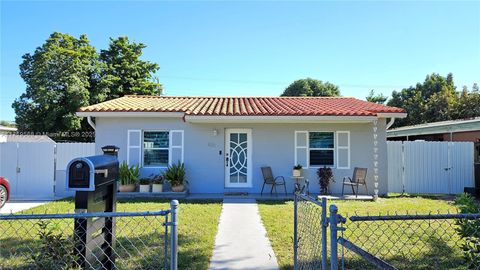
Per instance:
(224,141)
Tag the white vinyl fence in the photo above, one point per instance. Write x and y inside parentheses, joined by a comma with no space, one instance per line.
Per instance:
(430,167)
(64,153)
(36,170)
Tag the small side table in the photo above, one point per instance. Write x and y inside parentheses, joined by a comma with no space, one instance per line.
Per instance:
(299,187)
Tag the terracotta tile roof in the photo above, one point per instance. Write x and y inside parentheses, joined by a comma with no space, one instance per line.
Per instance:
(244,106)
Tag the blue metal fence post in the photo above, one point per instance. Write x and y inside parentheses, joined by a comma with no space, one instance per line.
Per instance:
(324,224)
(333,237)
(295,235)
(174,235)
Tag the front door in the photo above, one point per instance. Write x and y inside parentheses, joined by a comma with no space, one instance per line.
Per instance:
(238,157)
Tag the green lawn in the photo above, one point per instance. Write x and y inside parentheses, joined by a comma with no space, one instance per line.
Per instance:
(427,245)
(197,229)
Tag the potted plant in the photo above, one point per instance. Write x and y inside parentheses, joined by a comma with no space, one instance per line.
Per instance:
(297,170)
(175,174)
(157,183)
(144,185)
(325,175)
(128,177)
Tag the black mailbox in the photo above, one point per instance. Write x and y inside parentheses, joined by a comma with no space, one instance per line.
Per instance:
(87,173)
(94,180)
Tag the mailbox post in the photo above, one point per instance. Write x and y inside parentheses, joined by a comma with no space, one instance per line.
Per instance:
(94,180)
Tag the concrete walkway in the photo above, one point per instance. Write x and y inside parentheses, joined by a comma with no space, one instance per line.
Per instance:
(19,206)
(241,241)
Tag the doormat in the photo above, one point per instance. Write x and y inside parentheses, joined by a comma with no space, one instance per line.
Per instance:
(235,193)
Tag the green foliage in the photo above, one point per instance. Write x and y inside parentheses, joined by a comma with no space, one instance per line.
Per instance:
(129,174)
(376,98)
(7,123)
(66,73)
(311,88)
(56,251)
(123,73)
(325,175)
(57,77)
(436,99)
(156,178)
(469,230)
(145,181)
(468,103)
(175,174)
(297,167)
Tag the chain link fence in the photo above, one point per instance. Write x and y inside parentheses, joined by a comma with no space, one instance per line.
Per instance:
(392,241)
(141,240)
(310,233)
(433,241)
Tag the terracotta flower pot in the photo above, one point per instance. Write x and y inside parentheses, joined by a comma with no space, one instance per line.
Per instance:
(127,188)
(157,188)
(178,188)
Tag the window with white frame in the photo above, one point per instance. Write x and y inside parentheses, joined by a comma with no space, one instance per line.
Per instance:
(321,148)
(156,146)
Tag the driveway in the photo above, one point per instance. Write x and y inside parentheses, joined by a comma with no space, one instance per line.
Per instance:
(18,206)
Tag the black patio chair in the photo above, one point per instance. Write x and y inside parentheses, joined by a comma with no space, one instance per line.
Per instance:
(268,179)
(358,179)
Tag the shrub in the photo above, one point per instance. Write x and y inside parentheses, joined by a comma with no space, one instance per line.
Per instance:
(325,175)
(469,230)
(56,251)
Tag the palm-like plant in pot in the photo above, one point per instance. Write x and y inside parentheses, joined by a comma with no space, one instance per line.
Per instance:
(128,177)
(325,175)
(175,174)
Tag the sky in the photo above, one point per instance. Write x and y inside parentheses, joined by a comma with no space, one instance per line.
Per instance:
(257,48)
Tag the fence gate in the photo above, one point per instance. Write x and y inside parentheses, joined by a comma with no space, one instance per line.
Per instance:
(30,169)
(429,167)
(392,241)
(310,233)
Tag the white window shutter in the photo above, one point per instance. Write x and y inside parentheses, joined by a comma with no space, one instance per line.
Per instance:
(301,148)
(175,153)
(343,149)
(134,146)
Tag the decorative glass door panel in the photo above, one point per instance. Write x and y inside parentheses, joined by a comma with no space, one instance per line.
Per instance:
(237,157)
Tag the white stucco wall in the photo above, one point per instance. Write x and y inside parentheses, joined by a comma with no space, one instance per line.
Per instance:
(272,145)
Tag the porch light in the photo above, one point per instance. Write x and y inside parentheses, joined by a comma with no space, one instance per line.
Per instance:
(215,132)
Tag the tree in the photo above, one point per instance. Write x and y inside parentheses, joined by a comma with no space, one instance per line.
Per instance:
(6,123)
(376,98)
(66,73)
(58,79)
(123,73)
(468,104)
(433,100)
(311,88)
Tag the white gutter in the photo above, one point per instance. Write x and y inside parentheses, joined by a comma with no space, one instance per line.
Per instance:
(391,115)
(390,123)
(91,123)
